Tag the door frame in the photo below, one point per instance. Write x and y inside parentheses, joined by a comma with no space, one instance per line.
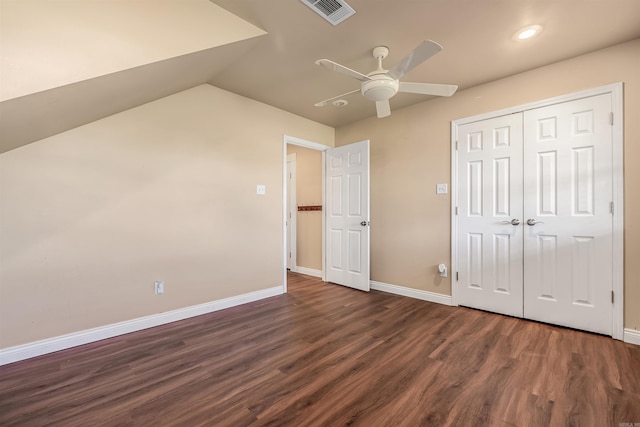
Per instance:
(291,223)
(616,92)
(287,139)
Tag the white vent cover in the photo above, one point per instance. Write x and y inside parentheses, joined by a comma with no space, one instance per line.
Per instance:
(334,11)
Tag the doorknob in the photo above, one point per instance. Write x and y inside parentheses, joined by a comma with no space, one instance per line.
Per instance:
(533,222)
(364,223)
(514,221)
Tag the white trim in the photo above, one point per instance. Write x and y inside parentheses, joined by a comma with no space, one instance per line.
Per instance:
(632,336)
(286,139)
(308,271)
(616,91)
(324,218)
(292,203)
(411,293)
(617,104)
(49,345)
(454,223)
(600,90)
(305,143)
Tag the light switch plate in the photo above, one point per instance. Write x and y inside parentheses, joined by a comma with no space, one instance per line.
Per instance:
(261,190)
(441,188)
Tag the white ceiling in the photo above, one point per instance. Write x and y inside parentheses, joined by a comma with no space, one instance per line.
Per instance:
(279,68)
(476,35)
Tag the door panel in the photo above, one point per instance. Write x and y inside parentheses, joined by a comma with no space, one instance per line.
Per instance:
(347,178)
(490,197)
(568,187)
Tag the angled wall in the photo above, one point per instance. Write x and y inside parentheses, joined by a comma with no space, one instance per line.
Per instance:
(67,63)
(91,217)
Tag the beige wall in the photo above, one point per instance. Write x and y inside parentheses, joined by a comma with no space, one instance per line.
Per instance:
(410,154)
(308,192)
(90,218)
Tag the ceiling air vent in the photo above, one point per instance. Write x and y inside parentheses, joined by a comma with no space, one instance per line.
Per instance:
(334,11)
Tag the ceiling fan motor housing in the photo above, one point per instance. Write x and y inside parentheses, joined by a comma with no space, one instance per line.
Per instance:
(381,87)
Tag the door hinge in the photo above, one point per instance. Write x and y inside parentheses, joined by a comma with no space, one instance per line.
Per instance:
(456,276)
(456,210)
(611,297)
(611,118)
(456,145)
(611,207)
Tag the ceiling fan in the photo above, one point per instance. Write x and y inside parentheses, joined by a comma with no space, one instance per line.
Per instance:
(381,85)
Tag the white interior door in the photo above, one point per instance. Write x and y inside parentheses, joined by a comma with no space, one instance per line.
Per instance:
(490,215)
(549,172)
(347,215)
(569,223)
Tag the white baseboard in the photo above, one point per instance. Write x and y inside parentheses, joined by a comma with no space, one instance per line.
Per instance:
(412,293)
(49,345)
(308,271)
(632,336)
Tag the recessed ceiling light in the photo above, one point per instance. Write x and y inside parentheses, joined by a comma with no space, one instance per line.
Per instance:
(527,32)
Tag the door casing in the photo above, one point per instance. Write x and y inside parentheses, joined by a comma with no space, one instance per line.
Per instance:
(287,139)
(291,220)
(616,91)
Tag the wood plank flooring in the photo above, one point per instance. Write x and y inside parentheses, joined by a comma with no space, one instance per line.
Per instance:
(325,355)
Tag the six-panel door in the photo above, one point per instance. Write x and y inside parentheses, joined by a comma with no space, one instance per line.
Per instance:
(490,214)
(347,219)
(568,241)
(552,178)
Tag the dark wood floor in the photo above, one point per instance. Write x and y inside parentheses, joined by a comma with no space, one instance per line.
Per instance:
(330,356)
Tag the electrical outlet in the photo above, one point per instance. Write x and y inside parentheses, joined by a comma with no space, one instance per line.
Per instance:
(158,287)
(441,188)
(261,189)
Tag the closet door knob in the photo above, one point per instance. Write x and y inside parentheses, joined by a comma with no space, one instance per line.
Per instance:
(533,222)
(514,221)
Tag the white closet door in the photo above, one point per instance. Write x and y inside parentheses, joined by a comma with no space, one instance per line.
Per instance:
(490,272)
(568,235)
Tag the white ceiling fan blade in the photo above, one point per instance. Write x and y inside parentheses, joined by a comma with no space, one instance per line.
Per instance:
(383,108)
(428,88)
(326,101)
(424,51)
(334,66)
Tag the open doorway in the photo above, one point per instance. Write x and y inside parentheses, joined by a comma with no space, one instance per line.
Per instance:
(303,201)
(344,251)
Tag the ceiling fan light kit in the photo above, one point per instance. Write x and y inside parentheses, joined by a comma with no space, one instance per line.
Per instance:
(379,88)
(381,85)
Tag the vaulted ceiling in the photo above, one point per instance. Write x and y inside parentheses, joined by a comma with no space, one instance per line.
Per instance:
(89,64)
(476,36)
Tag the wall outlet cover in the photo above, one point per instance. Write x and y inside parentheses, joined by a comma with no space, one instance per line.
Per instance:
(441,188)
